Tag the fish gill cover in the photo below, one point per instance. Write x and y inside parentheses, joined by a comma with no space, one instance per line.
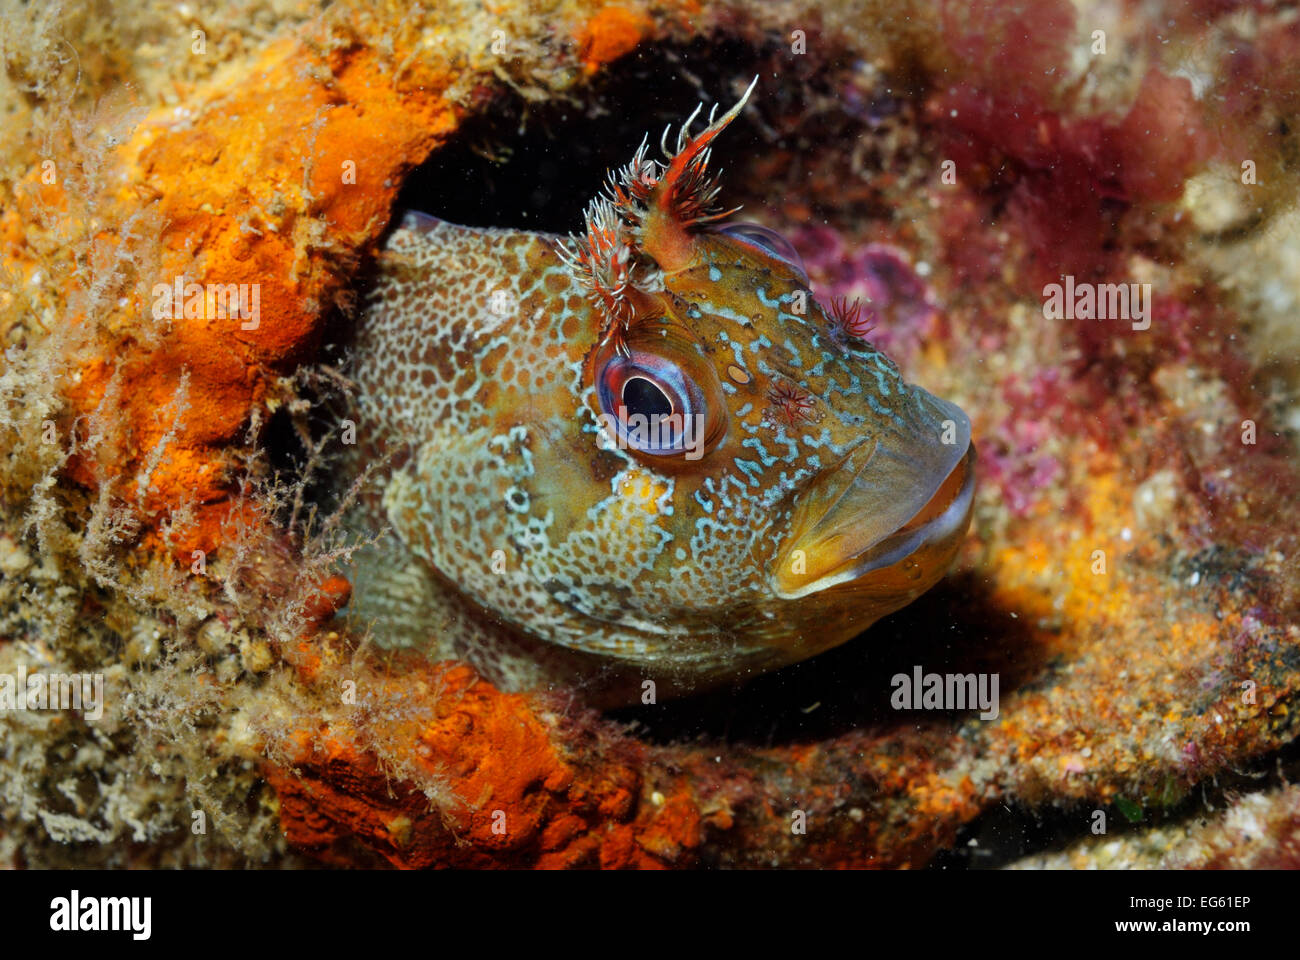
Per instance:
(409,457)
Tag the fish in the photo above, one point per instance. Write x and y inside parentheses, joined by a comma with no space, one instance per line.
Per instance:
(642,461)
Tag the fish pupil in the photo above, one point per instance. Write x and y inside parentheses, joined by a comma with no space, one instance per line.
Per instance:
(644,397)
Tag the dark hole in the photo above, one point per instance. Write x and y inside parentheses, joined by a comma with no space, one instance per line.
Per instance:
(536,166)
(957,627)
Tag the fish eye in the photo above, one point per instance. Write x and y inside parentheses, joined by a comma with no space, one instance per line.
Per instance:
(769,241)
(653,405)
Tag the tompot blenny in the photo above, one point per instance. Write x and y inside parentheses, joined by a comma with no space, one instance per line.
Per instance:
(646,455)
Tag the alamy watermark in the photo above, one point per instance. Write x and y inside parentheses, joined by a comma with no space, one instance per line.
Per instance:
(53,691)
(945,691)
(1098,301)
(208,301)
(654,433)
(75,913)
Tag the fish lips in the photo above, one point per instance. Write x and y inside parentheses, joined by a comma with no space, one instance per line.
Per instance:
(893,511)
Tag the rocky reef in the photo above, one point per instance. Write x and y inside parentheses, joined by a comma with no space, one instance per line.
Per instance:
(1078,221)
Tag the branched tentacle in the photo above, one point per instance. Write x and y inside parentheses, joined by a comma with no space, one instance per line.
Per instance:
(605,258)
(851,319)
(790,404)
(603,262)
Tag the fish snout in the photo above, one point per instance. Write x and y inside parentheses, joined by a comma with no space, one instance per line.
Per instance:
(890,516)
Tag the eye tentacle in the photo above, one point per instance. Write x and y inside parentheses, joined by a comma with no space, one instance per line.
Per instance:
(643,213)
(603,261)
(680,186)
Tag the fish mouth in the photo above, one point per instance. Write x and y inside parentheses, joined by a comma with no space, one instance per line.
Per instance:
(891,515)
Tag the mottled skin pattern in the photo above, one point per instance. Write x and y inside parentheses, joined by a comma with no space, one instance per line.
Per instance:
(525,541)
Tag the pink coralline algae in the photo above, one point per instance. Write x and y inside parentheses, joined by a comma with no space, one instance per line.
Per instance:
(902,306)
(1016,463)
(1015,456)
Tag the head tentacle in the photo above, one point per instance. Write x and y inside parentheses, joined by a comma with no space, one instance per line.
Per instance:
(603,261)
(644,212)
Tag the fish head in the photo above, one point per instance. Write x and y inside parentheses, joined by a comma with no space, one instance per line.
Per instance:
(806,488)
(648,446)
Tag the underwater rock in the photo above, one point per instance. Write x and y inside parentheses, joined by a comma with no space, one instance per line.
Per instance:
(1130,576)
